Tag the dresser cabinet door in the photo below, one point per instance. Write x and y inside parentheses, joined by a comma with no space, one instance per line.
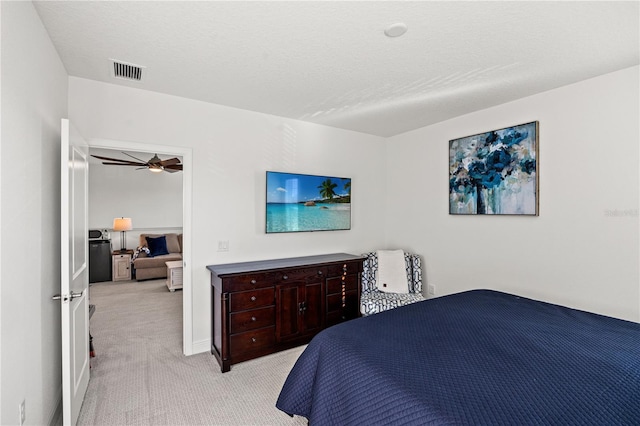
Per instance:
(289,298)
(313,312)
(300,308)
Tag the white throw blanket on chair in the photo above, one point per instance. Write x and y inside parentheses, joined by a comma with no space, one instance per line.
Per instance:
(391,276)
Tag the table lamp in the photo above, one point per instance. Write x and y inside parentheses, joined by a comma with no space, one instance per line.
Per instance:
(122,224)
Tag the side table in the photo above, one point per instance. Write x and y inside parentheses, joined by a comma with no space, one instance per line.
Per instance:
(121,265)
(174,275)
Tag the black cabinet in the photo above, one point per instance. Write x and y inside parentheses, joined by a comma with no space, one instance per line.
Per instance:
(99,261)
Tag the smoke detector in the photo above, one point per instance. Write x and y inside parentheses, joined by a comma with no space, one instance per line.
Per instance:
(396,30)
(126,71)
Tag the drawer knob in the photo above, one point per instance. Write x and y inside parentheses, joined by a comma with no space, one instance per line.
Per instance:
(253,298)
(319,272)
(253,282)
(253,339)
(285,277)
(253,318)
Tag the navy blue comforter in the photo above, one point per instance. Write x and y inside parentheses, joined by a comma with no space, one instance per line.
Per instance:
(475,358)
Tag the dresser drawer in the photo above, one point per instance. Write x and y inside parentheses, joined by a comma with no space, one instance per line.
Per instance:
(337,314)
(341,268)
(247,282)
(253,319)
(334,301)
(251,341)
(334,285)
(252,299)
(307,274)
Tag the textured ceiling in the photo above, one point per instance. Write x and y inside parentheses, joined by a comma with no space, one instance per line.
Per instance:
(330,62)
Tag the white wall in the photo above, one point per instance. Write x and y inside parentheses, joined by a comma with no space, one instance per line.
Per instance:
(34,99)
(232,149)
(153,201)
(583,249)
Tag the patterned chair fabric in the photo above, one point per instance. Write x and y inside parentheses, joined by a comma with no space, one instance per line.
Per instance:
(373,300)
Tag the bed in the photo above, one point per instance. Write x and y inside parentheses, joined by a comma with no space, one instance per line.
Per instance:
(479,357)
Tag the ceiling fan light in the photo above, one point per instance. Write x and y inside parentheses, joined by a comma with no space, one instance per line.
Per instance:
(155,169)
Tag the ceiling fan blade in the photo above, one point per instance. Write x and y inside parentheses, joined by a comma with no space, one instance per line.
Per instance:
(124,164)
(169,162)
(110,159)
(173,167)
(142,161)
(119,161)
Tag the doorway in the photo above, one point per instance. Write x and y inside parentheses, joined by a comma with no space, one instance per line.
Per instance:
(186,155)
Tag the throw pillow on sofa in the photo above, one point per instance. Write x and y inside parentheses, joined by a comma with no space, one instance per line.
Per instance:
(157,246)
(174,241)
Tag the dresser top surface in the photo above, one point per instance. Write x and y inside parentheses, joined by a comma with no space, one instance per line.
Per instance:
(290,262)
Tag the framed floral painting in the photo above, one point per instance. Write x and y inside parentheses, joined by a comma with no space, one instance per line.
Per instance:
(495,173)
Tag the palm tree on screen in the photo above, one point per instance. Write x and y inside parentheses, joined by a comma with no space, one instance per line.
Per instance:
(327,189)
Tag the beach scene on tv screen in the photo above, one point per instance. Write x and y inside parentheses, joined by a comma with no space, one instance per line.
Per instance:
(297,203)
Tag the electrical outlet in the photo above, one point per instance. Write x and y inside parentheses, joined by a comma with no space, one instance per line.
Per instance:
(223,245)
(22,413)
(431,289)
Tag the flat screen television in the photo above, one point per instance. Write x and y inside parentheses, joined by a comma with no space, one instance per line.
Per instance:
(303,203)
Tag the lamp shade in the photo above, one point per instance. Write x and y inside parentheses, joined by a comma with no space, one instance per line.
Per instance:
(122,224)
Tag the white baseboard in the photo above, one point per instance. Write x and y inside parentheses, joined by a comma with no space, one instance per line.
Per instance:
(201,346)
(55,417)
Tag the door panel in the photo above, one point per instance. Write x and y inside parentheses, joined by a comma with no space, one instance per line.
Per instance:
(78,180)
(74,283)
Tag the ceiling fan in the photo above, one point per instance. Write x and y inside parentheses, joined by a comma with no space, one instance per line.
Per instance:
(155,164)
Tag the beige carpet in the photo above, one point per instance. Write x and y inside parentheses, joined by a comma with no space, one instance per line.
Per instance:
(140,377)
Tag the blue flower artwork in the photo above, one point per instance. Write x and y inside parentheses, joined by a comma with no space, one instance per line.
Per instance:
(495,173)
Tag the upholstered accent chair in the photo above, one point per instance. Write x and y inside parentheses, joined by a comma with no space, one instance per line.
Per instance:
(373,300)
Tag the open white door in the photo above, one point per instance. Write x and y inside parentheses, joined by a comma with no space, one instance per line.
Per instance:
(74,288)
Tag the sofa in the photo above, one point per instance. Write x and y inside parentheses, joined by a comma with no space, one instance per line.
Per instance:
(150,257)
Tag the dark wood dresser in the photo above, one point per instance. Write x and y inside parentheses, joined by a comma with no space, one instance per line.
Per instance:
(263,307)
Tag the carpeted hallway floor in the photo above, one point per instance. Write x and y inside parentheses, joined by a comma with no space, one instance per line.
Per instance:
(141,377)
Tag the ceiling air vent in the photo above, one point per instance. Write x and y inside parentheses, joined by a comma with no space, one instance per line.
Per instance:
(126,71)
